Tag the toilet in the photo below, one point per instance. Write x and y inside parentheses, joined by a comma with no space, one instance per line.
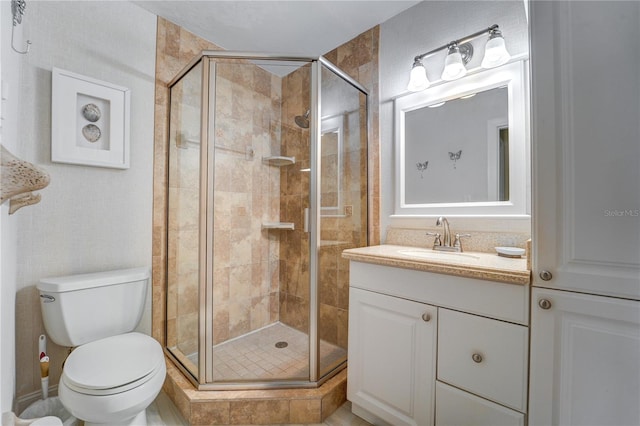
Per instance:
(114,373)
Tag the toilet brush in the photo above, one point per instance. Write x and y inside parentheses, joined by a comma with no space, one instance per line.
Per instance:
(44,365)
(44,376)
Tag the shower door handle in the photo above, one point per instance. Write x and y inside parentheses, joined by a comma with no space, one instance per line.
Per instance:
(306,219)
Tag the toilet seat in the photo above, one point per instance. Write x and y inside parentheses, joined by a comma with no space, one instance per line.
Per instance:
(113,365)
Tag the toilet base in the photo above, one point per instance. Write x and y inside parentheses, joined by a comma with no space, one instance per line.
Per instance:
(139,420)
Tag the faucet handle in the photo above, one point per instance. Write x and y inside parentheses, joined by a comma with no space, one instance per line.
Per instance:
(436,241)
(456,241)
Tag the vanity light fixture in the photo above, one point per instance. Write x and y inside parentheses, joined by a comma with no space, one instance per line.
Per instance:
(418,80)
(495,52)
(459,54)
(454,63)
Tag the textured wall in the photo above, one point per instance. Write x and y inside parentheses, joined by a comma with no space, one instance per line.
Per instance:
(10,64)
(90,218)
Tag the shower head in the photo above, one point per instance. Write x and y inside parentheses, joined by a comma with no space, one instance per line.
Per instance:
(303,120)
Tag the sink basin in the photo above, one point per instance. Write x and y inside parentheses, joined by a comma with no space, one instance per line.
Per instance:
(439,255)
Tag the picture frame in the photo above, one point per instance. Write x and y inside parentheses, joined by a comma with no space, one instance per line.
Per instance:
(89,121)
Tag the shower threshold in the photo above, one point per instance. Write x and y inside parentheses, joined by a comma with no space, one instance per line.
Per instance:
(274,352)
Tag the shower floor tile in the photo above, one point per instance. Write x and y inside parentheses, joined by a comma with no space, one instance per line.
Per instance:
(255,356)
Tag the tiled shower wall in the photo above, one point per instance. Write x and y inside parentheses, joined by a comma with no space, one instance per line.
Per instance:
(294,183)
(359,59)
(246,195)
(175,48)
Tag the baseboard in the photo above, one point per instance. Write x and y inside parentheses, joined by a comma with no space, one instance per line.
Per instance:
(22,402)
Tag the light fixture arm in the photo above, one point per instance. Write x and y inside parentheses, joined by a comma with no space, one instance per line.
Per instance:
(459,42)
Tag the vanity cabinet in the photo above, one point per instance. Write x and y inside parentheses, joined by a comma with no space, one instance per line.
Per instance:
(428,348)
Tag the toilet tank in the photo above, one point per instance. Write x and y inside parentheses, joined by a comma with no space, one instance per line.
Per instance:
(78,309)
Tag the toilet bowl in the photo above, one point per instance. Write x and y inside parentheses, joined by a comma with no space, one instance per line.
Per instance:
(114,373)
(113,380)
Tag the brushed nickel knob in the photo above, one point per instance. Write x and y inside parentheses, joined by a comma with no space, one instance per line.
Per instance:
(544,303)
(546,275)
(477,358)
(426,317)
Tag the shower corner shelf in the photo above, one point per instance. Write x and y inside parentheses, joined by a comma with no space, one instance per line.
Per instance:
(278,225)
(279,161)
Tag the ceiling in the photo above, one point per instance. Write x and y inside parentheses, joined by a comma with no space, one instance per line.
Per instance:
(302,27)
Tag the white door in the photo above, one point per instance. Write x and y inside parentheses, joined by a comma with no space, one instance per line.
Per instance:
(392,344)
(585,80)
(585,360)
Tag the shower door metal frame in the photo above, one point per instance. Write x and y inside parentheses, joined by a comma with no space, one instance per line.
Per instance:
(205,381)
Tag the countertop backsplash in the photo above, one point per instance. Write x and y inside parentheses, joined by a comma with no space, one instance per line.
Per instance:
(478,241)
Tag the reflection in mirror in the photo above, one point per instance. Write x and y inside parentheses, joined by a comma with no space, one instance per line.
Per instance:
(331,164)
(465,142)
(462,146)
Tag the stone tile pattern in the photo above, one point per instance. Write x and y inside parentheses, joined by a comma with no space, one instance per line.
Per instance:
(183,219)
(246,194)
(359,59)
(255,356)
(175,47)
(294,185)
(255,407)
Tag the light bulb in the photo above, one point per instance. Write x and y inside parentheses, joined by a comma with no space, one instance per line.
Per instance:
(418,79)
(453,65)
(495,51)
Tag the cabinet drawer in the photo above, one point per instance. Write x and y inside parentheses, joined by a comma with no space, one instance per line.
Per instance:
(459,408)
(484,356)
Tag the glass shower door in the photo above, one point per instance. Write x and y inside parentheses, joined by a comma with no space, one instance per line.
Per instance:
(183,220)
(260,292)
(343,207)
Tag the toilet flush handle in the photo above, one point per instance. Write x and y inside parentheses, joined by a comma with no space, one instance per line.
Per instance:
(47,299)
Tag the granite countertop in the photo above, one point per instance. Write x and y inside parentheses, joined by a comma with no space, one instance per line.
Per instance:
(485,266)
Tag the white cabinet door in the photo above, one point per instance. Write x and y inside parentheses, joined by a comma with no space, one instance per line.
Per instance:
(585,360)
(392,344)
(585,68)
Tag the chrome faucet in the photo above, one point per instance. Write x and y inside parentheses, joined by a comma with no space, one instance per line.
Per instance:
(445,244)
(446,232)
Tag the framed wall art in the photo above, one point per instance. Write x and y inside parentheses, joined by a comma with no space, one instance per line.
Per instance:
(89,121)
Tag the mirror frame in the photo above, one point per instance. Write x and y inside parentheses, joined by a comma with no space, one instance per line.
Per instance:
(514,76)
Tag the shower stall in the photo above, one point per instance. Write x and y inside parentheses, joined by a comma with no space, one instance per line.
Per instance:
(267,184)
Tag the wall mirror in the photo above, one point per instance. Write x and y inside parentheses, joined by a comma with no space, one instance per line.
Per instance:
(462,146)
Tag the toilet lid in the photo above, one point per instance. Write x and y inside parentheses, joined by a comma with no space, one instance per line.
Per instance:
(113,362)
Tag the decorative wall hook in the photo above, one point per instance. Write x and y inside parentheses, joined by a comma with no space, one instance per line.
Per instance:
(422,167)
(455,156)
(19,179)
(17,9)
